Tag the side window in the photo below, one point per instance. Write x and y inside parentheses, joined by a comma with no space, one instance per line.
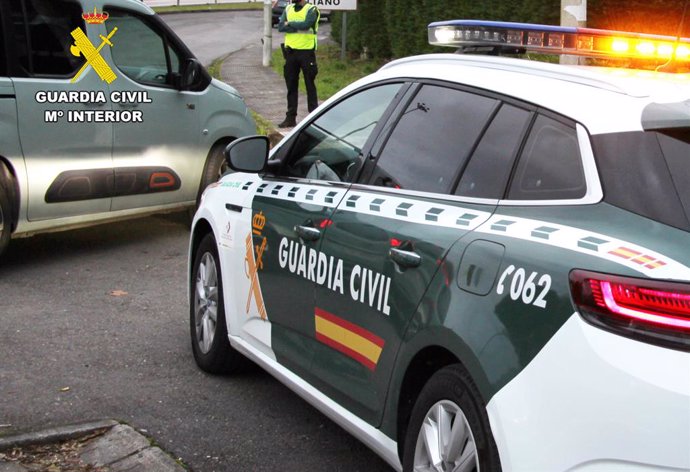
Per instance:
(432,140)
(141,53)
(487,173)
(550,167)
(41,36)
(330,147)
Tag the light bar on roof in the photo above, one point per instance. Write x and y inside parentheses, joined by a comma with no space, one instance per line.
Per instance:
(557,40)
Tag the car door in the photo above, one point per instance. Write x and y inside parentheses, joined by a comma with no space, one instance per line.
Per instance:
(156,153)
(292,210)
(394,234)
(67,155)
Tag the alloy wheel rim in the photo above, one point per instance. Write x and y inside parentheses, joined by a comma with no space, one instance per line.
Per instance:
(206,302)
(445,442)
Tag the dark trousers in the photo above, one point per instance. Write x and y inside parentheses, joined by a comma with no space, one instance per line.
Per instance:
(296,60)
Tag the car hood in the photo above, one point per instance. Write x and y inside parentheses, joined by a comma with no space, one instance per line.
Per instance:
(225,87)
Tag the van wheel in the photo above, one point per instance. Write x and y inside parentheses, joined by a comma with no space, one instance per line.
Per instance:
(208,326)
(214,169)
(449,428)
(5,215)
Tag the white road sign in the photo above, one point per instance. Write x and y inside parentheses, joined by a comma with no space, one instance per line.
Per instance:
(335,4)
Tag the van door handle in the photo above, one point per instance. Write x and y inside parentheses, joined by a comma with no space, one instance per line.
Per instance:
(405,258)
(308,233)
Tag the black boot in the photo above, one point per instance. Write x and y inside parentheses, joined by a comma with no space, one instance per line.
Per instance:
(288,122)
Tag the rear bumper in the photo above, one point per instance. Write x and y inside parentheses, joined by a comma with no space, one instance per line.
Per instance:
(593,401)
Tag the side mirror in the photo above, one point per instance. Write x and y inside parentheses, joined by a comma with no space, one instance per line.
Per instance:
(190,73)
(249,154)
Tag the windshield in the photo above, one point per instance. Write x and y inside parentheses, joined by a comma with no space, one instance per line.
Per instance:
(648,173)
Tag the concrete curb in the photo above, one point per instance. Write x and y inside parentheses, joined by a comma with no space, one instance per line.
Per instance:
(61,433)
(120,448)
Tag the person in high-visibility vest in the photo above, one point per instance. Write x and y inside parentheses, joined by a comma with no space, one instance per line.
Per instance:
(300,23)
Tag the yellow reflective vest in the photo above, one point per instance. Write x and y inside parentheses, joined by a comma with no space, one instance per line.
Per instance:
(301,39)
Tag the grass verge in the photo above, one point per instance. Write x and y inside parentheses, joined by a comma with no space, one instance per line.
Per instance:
(214,68)
(211,7)
(263,126)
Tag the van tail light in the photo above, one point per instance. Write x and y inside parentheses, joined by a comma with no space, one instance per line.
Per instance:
(653,311)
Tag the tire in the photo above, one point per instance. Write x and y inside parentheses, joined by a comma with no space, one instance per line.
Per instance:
(5,214)
(214,168)
(207,323)
(450,395)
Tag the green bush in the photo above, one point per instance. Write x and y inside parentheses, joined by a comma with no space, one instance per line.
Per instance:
(396,28)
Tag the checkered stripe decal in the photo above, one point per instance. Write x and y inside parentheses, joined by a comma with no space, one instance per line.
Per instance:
(416,211)
(413,211)
(622,252)
(388,206)
(301,193)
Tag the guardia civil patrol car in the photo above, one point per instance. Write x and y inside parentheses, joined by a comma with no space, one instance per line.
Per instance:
(104,114)
(471,262)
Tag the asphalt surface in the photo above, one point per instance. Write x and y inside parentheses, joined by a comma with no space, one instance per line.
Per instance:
(95,326)
(214,35)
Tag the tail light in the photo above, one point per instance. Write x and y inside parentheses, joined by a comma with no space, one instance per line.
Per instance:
(653,311)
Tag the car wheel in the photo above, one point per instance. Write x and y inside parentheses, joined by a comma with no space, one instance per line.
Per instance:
(215,167)
(5,215)
(210,344)
(449,428)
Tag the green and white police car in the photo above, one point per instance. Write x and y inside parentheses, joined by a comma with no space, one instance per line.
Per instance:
(470,262)
(104,114)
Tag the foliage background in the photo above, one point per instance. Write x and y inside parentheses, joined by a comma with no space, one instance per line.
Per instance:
(395,28)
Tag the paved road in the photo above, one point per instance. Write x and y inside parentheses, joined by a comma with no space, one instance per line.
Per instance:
(94,325)
(214,35)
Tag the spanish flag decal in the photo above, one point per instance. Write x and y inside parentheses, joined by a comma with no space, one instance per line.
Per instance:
(352,340)
(638,258)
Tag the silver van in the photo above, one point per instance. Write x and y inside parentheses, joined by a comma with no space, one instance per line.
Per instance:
(104,114)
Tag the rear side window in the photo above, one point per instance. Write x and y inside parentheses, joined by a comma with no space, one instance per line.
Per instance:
(487,173)
(433,139)
(550,166)
(41,36)
(647,173)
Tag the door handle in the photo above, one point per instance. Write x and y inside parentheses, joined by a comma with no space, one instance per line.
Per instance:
(405,258)
(308,233)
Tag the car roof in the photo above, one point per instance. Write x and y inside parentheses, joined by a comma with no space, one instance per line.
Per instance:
(136,5)
(603,99)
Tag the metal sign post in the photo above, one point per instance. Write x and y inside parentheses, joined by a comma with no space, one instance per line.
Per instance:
(338,5)
(268,33)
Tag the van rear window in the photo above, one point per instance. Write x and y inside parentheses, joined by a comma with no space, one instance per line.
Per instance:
(41,35)
(647,172)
